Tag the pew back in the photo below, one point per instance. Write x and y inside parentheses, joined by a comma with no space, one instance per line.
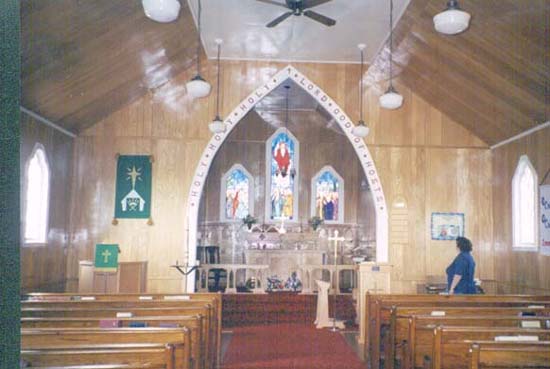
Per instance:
(194,323)
(158,355)
(451,344)
(49,338)
(420,330)
(485,354)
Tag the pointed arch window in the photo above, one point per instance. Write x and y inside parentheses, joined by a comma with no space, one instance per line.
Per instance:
(36,197)
(237,194)
(524,205)
(282,159)
(327,195)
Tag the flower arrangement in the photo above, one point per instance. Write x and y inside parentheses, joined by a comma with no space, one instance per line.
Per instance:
(315,222)
(249,220)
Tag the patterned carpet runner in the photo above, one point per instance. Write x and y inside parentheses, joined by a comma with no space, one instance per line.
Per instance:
(288,346)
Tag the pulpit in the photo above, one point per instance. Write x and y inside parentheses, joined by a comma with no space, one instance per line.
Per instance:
(130,277)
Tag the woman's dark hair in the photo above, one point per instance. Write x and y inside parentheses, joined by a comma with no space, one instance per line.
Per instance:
(464,244)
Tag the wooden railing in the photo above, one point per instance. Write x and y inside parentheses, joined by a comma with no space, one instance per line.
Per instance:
(260,273)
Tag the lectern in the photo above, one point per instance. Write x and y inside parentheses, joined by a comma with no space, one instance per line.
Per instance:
(322,319)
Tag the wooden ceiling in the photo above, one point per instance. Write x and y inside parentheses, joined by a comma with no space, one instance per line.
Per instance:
(83,60)
(494,79)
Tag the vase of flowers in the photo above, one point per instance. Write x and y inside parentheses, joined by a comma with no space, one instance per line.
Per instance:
(249,220)
(315,222)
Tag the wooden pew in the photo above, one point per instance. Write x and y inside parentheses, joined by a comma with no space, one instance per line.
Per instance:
(399,326)
(208,351)
(372,300)
(49,338)
(109,310)
(149,355)
(214,298)
(420,331)
(193,322)
(382,310)
(451,344)
(382,316)
(485,354)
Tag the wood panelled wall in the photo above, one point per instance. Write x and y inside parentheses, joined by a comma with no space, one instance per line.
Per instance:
(522,271)
(43,267)
(423,157)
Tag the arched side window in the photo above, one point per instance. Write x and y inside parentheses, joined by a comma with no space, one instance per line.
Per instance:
(282,159)
(524,205)
(327,195)
(237,194)
(36,197)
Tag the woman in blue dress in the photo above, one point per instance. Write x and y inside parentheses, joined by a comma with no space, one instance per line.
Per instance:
(460,274)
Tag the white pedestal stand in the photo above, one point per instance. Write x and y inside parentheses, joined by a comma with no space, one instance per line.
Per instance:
(322,319)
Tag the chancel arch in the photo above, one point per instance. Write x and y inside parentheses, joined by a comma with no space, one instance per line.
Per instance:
(337,116)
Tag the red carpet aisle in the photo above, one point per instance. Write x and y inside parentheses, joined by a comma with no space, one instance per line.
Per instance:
(289,346)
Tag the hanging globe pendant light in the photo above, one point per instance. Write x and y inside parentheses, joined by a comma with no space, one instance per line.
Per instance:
(361,129)
(391,99)
(452,20)
(198,87)
(163,11)
(217,125)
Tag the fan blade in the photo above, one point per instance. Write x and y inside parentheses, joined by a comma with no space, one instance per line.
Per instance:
(279,19)
(314,3)
(272,2)
(320,18)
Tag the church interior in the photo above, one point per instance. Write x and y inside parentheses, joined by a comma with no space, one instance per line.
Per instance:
(249,184)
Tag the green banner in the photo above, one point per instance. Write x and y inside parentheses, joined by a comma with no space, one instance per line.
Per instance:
(133,187)
(106,258)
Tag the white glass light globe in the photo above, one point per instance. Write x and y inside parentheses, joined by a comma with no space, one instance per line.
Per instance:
(391,100)
(451,21)
(198,87)
(163,11)
(360,130)
(217,125)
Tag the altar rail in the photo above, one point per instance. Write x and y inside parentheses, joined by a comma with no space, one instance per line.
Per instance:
(260,272)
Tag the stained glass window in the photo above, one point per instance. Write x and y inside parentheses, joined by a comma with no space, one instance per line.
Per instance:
(37,197)
(237,197)
(327,189)
(524,208)
(282,154)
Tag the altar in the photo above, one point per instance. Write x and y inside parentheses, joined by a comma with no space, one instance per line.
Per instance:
(282,262)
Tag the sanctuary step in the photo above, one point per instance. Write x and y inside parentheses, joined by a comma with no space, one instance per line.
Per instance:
(240,310)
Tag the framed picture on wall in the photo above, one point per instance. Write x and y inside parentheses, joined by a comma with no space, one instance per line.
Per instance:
(447,226)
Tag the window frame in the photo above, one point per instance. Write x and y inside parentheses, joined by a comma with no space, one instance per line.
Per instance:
(341,194)
(38,147)
(296,186)
(524,164)
(223,189)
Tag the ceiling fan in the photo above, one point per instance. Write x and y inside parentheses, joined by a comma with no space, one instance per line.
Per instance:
(300,7)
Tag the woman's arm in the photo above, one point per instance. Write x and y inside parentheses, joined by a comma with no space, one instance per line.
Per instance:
(456,279)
